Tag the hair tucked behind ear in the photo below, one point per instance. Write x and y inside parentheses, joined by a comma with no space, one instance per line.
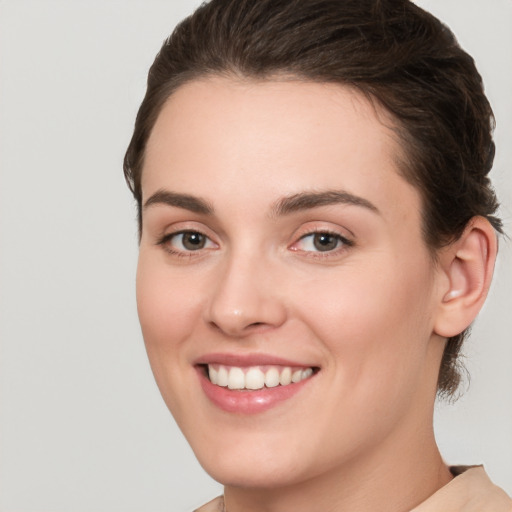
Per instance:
(393,52)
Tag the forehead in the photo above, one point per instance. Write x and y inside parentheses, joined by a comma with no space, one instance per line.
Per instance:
(237,137)
(261,107)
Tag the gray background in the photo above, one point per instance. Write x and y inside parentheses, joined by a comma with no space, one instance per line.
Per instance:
(83,427)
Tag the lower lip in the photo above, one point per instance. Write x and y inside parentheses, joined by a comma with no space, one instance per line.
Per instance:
(248,402)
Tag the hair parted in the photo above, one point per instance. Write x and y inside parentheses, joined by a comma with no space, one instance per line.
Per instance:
(391,51)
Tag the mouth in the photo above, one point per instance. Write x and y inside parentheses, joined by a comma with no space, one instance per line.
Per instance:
(254,378)
(254,384)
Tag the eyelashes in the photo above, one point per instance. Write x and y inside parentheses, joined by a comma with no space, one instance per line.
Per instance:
(185,243)
(314,243)
(322,242)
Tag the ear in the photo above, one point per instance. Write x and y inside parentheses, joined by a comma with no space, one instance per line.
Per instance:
(468,265)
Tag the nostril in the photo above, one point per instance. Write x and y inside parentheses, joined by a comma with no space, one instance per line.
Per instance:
(237,312)
(215,326)
(239,329)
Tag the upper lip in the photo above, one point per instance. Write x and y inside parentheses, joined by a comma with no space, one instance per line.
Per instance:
(244,360)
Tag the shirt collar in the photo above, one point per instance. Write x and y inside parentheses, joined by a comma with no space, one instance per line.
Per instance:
(470,491)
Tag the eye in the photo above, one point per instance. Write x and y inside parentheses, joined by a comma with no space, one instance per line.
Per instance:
(321,242)
(186,241)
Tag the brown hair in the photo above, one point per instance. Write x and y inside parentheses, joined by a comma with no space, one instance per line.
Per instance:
(390,50)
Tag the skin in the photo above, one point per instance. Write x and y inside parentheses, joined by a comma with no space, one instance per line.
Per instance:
(359,435)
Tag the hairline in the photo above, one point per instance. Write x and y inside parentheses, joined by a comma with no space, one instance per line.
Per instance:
(401,155)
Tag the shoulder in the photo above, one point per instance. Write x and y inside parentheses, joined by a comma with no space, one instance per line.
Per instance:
(216,505)
(470,491)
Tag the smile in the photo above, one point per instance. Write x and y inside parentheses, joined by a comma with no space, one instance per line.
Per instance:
(252,383)
(256,377)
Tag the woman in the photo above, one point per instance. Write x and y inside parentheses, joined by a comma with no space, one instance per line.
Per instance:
(317,233)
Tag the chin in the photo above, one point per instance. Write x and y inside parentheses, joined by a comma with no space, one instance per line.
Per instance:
(260,473)
(262,460)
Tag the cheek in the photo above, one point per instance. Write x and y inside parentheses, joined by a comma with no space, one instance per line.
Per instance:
(168,313)
(375,324)
(167,309)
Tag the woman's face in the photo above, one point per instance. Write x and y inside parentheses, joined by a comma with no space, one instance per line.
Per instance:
(282,252)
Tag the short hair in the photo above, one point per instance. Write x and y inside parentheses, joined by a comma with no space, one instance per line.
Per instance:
(394,53)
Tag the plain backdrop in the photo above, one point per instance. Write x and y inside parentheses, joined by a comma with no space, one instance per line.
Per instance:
(83,427)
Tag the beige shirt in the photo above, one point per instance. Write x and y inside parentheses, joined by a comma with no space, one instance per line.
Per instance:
(471,491)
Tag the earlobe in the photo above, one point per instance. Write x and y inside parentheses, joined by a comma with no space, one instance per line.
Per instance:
(468,264)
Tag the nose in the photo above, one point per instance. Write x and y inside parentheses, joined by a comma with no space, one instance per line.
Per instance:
(246,298)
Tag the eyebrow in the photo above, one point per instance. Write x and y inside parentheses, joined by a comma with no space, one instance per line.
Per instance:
(285,206)
(310,200)
(185,201)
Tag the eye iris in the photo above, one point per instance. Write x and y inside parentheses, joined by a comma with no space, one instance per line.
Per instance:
(325,242)
(193,241)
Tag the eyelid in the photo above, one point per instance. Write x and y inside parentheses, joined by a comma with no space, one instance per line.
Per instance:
(306,231)
(183,228)
(170,236)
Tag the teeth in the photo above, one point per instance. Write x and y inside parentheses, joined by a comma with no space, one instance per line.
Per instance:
(272,378)
(254,377)
(213,374)
(297,376)
(285,377)
(222,377)
(307,373)
(236,379)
